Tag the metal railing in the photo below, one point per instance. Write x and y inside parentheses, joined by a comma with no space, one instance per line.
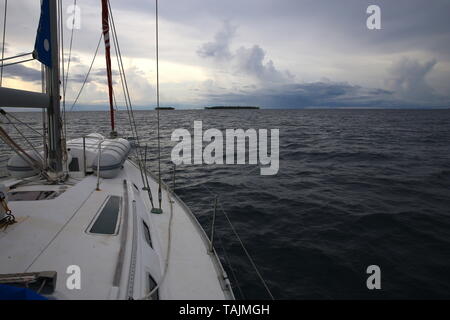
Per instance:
(98,163)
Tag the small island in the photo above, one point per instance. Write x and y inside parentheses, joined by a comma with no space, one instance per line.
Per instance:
(165,108)
(232,108)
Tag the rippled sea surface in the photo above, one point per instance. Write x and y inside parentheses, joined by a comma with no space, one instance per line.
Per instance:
(355,188)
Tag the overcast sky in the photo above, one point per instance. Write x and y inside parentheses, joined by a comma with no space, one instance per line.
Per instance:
(270,53)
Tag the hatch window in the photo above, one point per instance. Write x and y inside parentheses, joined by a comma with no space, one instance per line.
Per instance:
(106,222)
(32,195)
(74,165)
(151,286)
(147,235)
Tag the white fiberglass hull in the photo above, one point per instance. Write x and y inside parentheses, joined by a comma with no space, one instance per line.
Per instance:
(55,235)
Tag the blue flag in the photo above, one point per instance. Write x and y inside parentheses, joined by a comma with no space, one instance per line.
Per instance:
(42,47)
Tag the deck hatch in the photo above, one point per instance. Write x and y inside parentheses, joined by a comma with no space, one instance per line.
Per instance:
(106,222)
(32,195)
(147,235)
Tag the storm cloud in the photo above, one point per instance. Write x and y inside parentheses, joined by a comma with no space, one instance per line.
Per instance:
(308,95)
(247,61)
(219,49)
(408,79)
(267,53)
(19,71)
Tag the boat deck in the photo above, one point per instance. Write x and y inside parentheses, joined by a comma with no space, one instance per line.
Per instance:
(52,235)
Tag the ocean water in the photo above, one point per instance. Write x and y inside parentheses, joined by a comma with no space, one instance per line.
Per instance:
(355,188)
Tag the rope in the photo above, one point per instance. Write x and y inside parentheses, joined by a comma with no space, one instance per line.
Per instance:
(10,219)
(3,41)
(87,75)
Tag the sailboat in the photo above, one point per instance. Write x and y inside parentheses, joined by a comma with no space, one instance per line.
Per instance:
(81,219)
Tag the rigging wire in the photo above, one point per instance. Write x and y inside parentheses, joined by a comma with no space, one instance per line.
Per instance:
(3,42)
(44,119)
(22,153)
(70,49)
(123,76)
(66,78)
(61,41)
(22,135)
(230,266)
(158,105)
(133,126)
(5,114)
(121,72)
(63,116)
(88,73)
(247,253)
(236,234)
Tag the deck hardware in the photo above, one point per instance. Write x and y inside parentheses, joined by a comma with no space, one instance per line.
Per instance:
(84,156)
(213,225)
(98,164)
(41,282)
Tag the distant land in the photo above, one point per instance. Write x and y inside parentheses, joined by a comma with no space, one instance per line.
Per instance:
(165,108)
(232,108)
(104,108)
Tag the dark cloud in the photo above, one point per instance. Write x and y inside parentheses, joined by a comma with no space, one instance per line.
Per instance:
(407,83)
(334,31)
(22,72)
(343,23)
(317,94)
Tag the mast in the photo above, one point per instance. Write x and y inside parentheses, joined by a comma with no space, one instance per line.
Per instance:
(46,51)
(105,21)
(53,82)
